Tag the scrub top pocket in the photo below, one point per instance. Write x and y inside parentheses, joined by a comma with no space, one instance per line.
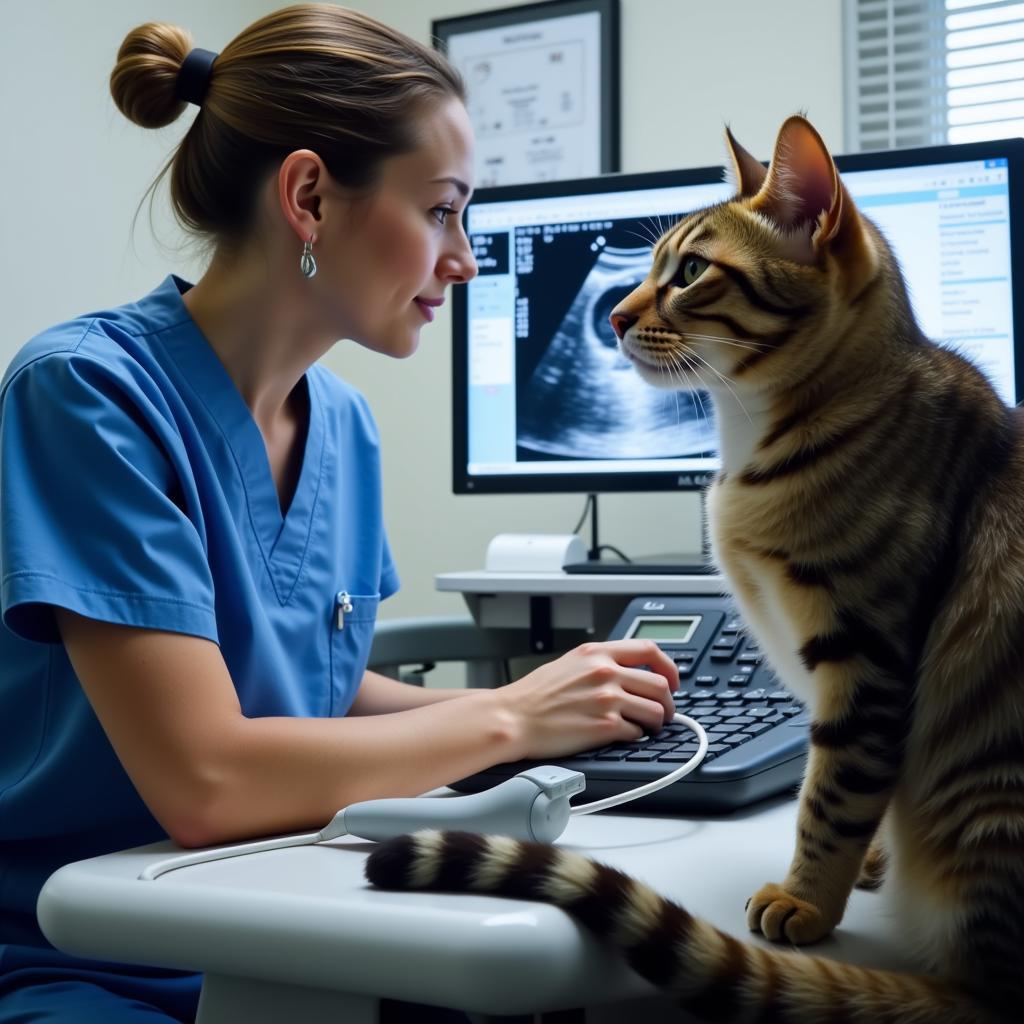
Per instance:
(352,622)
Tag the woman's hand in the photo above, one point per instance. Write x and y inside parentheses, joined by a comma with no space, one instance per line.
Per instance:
(593,695)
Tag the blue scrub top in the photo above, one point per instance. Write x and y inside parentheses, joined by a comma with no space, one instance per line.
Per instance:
(135,489)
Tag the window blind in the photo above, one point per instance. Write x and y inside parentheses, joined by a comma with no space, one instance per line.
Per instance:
(926,72)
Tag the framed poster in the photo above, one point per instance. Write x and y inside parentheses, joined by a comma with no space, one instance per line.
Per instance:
(543,88)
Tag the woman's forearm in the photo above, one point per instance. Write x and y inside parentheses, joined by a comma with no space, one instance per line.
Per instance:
(381,695)
(291,774)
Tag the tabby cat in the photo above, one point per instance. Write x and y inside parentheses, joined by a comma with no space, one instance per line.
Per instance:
(869,520)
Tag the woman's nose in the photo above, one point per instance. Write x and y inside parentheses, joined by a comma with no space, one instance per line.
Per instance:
(461,265)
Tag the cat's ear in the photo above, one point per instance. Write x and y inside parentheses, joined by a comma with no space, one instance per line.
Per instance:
(802,185)
(803,195)
(749,174)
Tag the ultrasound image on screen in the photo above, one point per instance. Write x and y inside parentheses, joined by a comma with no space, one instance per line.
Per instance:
(578,397)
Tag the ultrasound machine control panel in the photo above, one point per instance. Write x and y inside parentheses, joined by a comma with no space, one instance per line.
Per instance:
(757,730)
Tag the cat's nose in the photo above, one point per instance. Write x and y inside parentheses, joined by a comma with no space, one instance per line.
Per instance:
(621,322)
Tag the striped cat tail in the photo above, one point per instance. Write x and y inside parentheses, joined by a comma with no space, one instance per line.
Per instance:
(709,972)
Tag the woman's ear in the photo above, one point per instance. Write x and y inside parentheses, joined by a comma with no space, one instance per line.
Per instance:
(301,180)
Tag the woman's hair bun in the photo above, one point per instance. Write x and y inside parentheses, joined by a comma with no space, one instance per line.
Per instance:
(144,80)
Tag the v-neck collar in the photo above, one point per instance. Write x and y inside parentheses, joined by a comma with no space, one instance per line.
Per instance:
(282,538)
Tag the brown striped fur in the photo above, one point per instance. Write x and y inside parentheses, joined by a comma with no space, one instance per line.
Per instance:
(869,519)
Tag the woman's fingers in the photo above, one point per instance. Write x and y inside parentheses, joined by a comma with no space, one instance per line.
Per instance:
(633,653)
(645,671)
(651,688)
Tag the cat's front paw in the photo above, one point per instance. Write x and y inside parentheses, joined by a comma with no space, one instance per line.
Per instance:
(780,916)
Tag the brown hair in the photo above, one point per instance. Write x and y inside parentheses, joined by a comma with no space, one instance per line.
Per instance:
(312,76)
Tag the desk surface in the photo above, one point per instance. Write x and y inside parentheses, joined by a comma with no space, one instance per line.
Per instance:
(483,582)
(305,916)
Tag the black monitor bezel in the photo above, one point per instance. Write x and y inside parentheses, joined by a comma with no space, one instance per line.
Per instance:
(673,480)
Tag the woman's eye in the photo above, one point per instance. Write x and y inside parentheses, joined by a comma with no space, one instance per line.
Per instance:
(440,213)
(692,268)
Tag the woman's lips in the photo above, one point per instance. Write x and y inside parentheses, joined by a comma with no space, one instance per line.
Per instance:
(427,306)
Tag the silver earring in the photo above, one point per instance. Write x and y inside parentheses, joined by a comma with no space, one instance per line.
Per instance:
(307,262)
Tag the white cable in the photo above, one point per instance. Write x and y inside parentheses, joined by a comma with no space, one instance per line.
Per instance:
(656,784)
(184,860)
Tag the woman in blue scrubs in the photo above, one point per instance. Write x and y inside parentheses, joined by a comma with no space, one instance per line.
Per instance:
(192,549)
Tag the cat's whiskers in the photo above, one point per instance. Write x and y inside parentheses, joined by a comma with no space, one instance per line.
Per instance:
(752,346)
(695,398)
(644,238)
(697,392)
(677,335)
(685,386)
(725,380)
(657,227)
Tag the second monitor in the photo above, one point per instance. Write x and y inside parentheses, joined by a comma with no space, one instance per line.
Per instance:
(544,401)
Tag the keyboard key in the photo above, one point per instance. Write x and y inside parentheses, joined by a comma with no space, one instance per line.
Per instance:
(677,757)
(754,695)
(740,720)
(611,755)
(706,680)
(718,748)
(779,695)
(760,712)
(644,755)
(739,680)
(735,739)
(790,710)
(756,730)
(690,746)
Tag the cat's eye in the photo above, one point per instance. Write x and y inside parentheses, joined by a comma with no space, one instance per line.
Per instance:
(692,268)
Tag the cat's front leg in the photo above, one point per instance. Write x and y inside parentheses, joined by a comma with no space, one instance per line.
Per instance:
(852,769)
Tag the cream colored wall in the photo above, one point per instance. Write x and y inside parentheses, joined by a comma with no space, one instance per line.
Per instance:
(73,171)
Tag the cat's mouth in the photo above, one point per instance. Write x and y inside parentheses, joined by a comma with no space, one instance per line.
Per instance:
(651,369)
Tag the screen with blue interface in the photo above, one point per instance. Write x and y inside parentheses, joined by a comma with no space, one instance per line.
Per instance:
(543,399)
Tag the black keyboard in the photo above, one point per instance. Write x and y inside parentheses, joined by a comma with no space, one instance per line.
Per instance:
(757,730)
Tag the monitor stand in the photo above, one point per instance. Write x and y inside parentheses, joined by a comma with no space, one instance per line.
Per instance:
(642,565)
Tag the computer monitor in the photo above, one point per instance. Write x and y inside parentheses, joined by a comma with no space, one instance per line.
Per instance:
(544,401)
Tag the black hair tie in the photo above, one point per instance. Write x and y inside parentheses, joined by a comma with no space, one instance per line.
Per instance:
(194,76)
